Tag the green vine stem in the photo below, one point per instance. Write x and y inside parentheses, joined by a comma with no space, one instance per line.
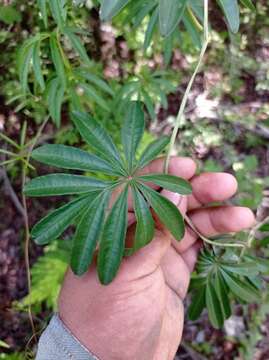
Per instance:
(188,89)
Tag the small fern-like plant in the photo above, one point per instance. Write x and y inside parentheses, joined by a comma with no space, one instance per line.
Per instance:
(100,222)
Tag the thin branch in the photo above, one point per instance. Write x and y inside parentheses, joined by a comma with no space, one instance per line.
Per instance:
(26,225)
(188,89)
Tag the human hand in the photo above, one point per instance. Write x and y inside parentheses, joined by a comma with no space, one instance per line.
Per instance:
(140,315)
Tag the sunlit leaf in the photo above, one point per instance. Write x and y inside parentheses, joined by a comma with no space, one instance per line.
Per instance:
(77,45)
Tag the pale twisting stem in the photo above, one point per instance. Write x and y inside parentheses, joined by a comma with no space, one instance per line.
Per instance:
(212,242)
(188,89)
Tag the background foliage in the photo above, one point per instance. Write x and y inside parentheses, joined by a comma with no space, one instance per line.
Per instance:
(226,127)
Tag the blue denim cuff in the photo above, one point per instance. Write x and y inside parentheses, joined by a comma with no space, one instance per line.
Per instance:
(57,342)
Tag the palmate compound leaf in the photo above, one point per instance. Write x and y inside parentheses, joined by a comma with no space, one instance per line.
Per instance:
(167,212)
(88,233)
(68,157)
(96,136)
(113,239)
(56,222)
(132,131)
(64,184)
(90,228)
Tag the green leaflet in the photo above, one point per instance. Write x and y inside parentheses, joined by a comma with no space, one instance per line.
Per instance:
(24,61)
(63,184)
(55,99)
(55,223)
(37,65)
(113,240)
(57,11)
(150,29)
(241,289)
(170,14)
(68,157)
(231,11)
(132,131)
(42,4)
(95,80)
(244,268)
(152,151)
(167,212)
(77,45)
(213,306)
(222,293)
(91,94)
(88,233)
(110,8)
(197,305)
(57,58)
(96,136)
(144,222)
(169,182)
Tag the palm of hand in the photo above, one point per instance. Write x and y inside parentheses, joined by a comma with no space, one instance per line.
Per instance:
(141,314)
